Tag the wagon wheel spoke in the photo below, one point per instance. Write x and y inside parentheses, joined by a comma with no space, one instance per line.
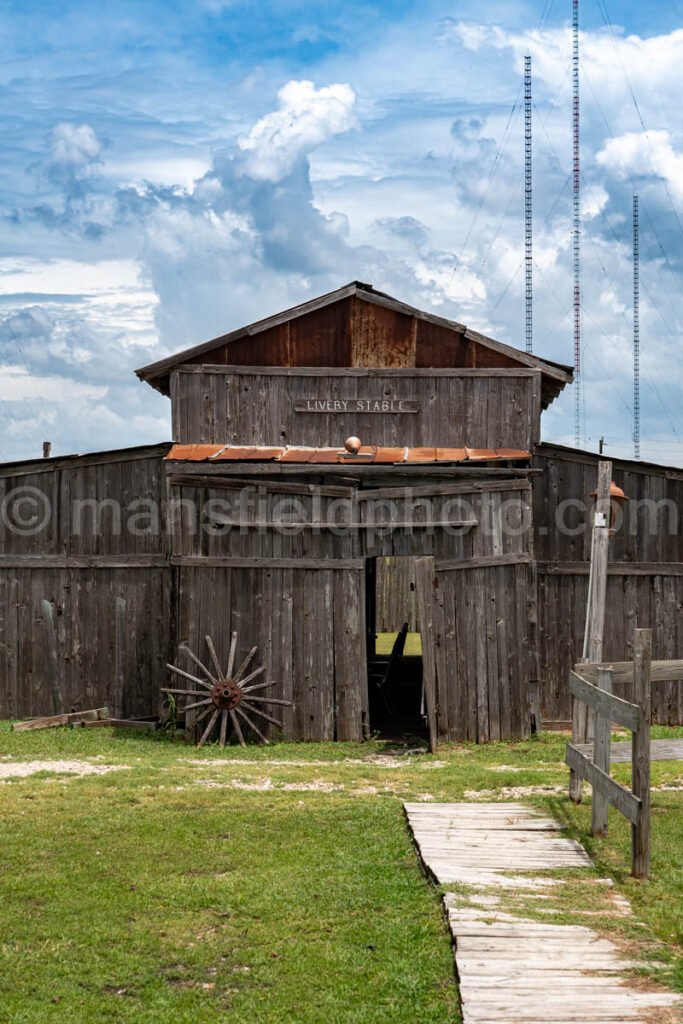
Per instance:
(262,714)
(252,675)
(243,667)
(267,700)
(253,727)
(236,725)
(197,704)
(186,675)
(258,686)
(214,657)
(186,650)
(209,729)
(231,656)
(184,693)
(202,716)
(224,728)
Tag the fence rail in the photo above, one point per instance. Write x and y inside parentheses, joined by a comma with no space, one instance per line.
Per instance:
(598,696)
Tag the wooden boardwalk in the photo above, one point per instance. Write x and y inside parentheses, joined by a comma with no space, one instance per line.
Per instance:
(620,753)
(512,969)
(475,844)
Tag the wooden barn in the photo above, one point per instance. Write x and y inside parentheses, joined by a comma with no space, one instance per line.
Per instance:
(337,471)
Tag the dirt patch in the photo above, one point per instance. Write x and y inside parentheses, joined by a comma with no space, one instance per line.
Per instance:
(377,761)
(512,791)
(265,784)
(22,769)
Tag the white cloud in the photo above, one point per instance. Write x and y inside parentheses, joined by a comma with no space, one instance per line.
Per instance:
(445,282)
(16,383)
(640,154)
(306,117)
(74,151)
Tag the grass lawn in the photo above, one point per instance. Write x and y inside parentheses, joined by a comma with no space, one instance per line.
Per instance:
(265,885)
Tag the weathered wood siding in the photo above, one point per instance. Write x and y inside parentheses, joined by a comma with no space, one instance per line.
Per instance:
(238,576)
(396,595)
(473,408)
(483,621)
(85,607)
(309,625)
(111,635)
(645,583)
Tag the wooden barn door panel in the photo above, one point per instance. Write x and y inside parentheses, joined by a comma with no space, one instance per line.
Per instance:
(475,651)
(425,582)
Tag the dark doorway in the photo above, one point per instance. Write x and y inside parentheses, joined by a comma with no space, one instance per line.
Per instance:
(394,650)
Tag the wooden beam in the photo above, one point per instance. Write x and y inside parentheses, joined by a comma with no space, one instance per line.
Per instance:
(484,562)
(355,371)
(229,562)
(613,569)
(618,710)
(83,561)
(618,795)
(53,721)
(622,671)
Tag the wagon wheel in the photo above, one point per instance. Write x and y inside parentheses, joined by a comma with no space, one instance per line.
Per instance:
(226,696)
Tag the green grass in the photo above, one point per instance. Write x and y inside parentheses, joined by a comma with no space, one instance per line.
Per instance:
(413,647)
(202,886)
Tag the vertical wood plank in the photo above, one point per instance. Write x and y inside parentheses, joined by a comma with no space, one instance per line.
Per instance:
(51,656)
(425,579)
(601,758)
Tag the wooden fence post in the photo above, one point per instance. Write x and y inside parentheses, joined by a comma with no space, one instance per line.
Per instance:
(601,757)
(640,767)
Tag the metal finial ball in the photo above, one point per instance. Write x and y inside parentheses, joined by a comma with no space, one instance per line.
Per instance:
(352,445)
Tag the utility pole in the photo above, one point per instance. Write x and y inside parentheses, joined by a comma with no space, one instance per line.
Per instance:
(528,207)
(578,368)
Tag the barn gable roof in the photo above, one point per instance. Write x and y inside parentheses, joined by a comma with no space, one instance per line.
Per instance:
(438,340)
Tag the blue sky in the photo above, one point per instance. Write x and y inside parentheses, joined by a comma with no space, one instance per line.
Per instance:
(170,171)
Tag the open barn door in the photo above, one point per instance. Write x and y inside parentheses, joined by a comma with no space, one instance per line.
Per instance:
(426,584)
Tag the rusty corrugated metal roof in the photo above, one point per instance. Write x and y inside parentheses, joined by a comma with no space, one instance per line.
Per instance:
(368,454)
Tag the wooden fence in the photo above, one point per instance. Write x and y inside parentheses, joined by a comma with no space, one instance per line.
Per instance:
(635,804)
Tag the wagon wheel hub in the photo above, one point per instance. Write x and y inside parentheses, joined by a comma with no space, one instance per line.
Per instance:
(226,694)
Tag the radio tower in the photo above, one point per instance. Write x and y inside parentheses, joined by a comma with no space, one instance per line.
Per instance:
(636,330)
(528,221)
(578,369)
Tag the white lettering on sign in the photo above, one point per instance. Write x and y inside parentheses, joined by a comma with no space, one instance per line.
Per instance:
(357,405)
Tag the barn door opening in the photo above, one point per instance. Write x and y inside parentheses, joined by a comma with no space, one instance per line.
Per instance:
(394,649)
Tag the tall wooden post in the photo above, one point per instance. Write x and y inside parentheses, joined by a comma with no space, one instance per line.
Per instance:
(640,756)
(595,611)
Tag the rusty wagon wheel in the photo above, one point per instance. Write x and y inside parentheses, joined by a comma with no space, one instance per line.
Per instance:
(225,696)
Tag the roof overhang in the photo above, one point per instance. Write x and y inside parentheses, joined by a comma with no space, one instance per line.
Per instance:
(366,455)
(555,375)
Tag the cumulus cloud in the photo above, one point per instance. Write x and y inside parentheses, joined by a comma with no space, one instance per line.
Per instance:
(641,154)
(305,118)
(75,152)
